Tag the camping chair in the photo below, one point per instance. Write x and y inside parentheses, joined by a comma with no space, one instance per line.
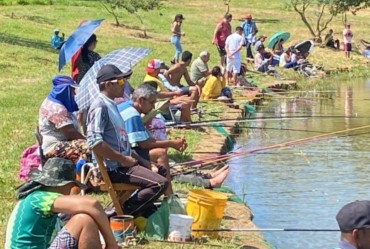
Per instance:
(119,192)
(39,142)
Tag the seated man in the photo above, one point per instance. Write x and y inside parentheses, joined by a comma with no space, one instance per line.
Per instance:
(143,100)
(261,62)
(58,124)
(174,74)
(354,224)
(199,69)
(106,135)
(329,40)
(57,41)
(33,221)
(176,97)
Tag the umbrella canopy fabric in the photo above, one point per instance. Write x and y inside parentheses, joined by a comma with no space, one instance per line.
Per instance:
(277,37)
(304,46)
(124,59)
(76,40)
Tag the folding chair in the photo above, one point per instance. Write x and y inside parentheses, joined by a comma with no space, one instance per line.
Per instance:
(39,142)
(119,192)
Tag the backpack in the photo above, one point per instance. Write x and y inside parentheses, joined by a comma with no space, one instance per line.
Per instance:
(30,159)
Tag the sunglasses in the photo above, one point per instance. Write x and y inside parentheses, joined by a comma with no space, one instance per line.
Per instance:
(120,82)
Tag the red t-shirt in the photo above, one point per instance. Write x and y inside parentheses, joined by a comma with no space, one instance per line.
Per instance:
(223,31)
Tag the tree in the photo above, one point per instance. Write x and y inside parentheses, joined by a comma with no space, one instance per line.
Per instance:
(133,7)
(227,3)
(324,12)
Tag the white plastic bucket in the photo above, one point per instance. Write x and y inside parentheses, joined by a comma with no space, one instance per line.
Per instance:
(180,227)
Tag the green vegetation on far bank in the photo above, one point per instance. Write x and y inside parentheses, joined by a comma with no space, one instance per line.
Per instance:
(27,63)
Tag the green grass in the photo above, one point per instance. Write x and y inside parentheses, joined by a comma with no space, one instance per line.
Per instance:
(27,63)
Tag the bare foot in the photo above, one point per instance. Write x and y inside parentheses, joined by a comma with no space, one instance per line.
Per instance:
(217,172)
(217,181)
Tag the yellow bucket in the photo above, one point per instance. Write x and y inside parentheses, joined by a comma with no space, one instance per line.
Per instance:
(207,208)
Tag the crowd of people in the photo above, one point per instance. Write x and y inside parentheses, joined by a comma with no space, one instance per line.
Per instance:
(120,127)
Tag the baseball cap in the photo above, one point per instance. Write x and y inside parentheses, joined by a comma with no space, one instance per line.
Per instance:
(153,64)
(179,16)
(261,46)
(56,30)
(354,215)
(111,72)
(56,172)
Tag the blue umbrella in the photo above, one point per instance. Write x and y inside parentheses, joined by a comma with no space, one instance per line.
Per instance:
(76,40)
(124,59)
(277,37)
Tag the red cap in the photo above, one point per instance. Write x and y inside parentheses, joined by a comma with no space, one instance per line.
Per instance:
(153,64)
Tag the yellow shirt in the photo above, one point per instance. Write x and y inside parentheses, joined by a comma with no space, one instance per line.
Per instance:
(212,88)
(160,87)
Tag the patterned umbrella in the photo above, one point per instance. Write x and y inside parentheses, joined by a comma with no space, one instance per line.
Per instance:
(124,59)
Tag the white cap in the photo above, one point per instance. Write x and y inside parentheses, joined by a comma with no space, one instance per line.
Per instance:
(56,30)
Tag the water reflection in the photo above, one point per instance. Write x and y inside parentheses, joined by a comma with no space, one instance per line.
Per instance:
(304,186)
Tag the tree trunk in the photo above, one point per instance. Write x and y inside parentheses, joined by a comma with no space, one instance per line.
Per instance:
(142,24)
(111,11)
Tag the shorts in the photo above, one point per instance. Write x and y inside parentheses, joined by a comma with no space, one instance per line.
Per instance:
(233,65)
(64,240)
(221,50)
(347,47)
(185,90)
(71,150)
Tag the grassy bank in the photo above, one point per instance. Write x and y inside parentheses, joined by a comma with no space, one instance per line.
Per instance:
(27,62)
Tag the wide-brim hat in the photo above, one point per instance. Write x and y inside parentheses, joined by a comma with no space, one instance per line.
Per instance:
(57,172)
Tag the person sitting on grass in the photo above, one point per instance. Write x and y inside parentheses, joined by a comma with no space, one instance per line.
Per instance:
(215,86)
(176,98)
(143,100)
(174,74)
(57,41)
(261,62)
(329,40)
(199,69)
(33,221)
(286,59)
(278,48)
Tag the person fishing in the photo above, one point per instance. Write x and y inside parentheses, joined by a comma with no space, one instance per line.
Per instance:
(34,219)
(354,224)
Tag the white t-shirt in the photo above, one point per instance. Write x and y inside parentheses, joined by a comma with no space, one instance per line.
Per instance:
(347,36)
(233,42)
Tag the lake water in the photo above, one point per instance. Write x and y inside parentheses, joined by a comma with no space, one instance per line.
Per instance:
(304,186)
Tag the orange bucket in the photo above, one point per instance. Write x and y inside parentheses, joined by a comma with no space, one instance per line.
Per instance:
(122,226)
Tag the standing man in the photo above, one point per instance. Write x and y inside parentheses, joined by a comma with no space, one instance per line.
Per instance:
(57,41)
(354,223)
(222,31)
(233,45)
(199,70)
(250,30)
(107,137)
(347,40)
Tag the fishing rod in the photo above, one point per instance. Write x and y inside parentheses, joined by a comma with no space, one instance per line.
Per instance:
(214,159)
(238,120)
(265,230)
